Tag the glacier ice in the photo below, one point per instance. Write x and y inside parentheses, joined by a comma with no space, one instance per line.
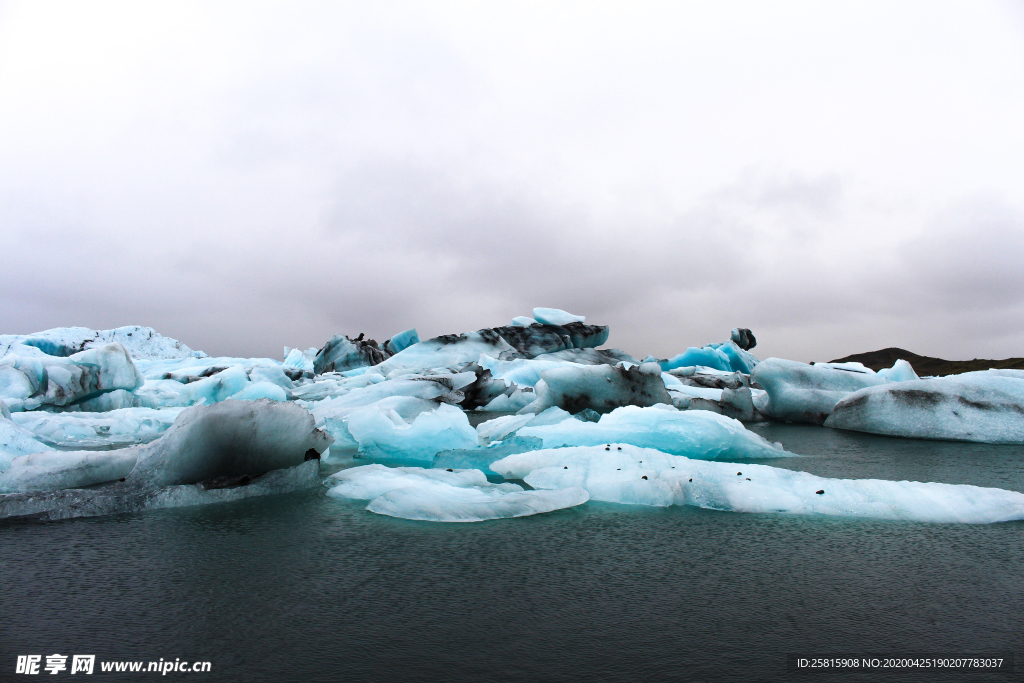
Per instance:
(382,433)
(502,427)
(727,357)
(52,470)
(523,321)
(555,316)
(140,342)
(111,429)
(643,476)
(599,387)
(798,392)
(16,441)
(60,381)
(230,438)
(298,359)
(440,496)
(119,498)
(342,353)
(696,434)
(986,407)
(402,341)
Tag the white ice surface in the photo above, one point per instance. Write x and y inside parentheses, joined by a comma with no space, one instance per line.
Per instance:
(986,407)
(59,381)
(16,440)
(441,496)
(116,428)
(52,470)
(140,342)
(618,477)
(556,316)
(696,434)
(383,433)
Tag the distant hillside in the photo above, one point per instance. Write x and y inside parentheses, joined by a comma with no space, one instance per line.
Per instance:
(925,365)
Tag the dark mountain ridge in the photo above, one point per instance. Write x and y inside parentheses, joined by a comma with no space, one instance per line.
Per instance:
(926,365)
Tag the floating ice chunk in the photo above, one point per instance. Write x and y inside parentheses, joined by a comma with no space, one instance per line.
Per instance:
(140,342)
(983,407)
(537,340)
(117,428)
(515,401)
(383,433)
(117,399)
(501,427)
(448,351)
(740,360)
(555,316)
(16,441)
(231,438)
(590,356)
(342,353)
(618,477)
(523,372)
(600,387)
(426,388)
(257,390)
(59,381)
(271,373)
(798,392)
(52,470)
(708,356)
(441,496)
(334,385)
(696,434)
(402,341)
(901,371)
(523,321)
(298,359)
(120,498)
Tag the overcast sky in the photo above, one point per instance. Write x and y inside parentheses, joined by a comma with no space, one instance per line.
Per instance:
(836,177)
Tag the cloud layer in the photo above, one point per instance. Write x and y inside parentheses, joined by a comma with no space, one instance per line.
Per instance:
(838,179)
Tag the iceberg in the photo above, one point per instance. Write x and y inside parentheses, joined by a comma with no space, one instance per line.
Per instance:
(383,433)
(985,407)
(229,439)
(140,342)
(798,392)
(555,316)
(697,434)
(119,499)
(299,360)
(441,496)
(53,470)
(642,476)
(113,429)
(502,427)
(402,341)
(16,441)
(447,351)
(59,381)
(599,387)
(342,353)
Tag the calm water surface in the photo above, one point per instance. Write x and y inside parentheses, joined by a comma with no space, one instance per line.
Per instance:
(306,588)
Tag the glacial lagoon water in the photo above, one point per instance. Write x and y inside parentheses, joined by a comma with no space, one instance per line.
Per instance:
(307,588)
